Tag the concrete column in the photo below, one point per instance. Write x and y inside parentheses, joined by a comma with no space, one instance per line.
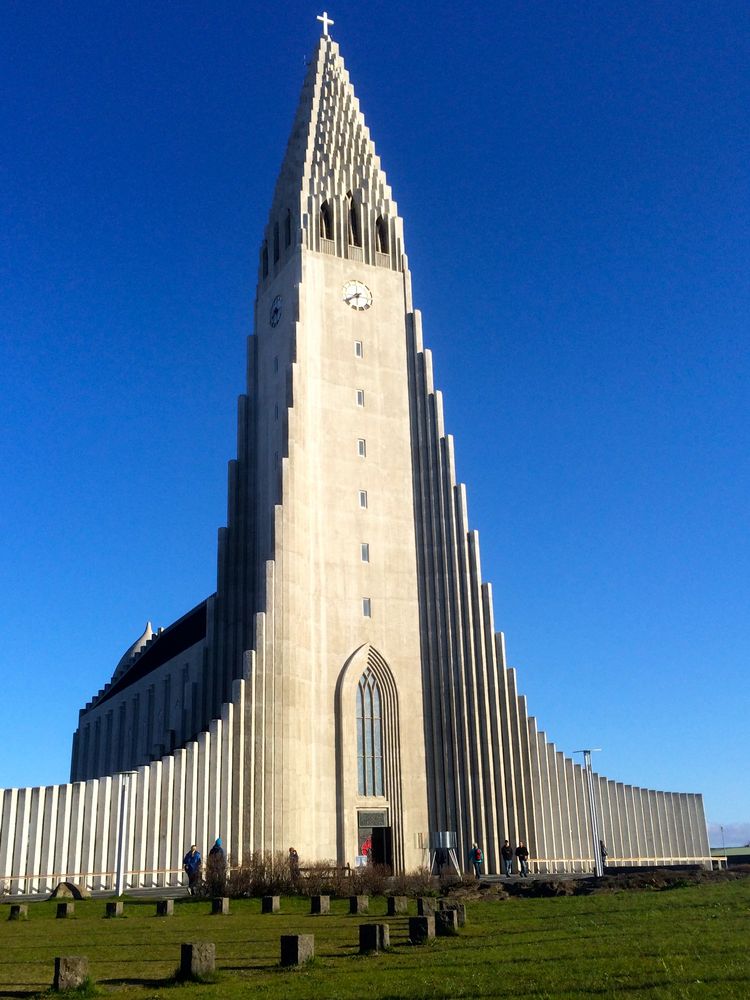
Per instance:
(540,821)
(554,788)
(72,862)
(202,795)
(224,776)
(7,831)
(584,819)
(178,846)
(20,837)
(90,814)
(60,862)
(49,835)
(103,857)
(36,832)
(564,820)
(153,831)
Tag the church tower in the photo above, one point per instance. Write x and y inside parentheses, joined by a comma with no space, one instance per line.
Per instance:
(318,566)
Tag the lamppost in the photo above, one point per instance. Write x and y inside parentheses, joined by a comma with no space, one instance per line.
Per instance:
(595,835)
(122,832)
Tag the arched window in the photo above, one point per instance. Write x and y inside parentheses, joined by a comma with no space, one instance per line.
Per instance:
(369,736)
(381,235)
(288,228)
(355,231)
(326,221)
(264,259)
(275,242)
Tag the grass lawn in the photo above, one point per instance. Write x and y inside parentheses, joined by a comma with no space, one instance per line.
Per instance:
(687,942)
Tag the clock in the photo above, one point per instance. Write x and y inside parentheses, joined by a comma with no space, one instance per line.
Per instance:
(357,295)
(275,311)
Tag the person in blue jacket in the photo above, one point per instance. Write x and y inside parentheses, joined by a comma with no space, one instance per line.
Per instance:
(191,864)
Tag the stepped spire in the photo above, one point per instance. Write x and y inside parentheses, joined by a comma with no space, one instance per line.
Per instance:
(332,194)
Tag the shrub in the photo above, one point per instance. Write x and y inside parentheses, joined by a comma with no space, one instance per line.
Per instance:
(262,874)
(214,877)
(420,882)
(371,880)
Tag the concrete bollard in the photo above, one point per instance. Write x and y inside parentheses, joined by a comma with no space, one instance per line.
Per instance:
(220,906)
(165,907)
(460,909)
(270,904)
(359,904)
(71,971)
(397,905)
(446,923)
(65,910)
(374,938)
(197,959)
(115,909)
(320,905)
(296,949)
(18,911)
(425,905)
(421,929)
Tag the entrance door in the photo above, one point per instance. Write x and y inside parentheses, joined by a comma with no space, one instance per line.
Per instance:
(382,846)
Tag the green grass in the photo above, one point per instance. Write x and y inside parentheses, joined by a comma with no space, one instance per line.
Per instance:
(684,943)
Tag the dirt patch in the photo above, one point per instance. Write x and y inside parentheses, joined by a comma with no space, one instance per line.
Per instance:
(655,879)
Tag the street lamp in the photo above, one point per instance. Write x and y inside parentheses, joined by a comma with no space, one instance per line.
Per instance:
(595,835)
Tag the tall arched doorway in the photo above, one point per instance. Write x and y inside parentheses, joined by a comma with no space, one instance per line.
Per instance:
(368,762)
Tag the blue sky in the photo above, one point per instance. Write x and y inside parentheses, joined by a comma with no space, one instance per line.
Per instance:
(574,185)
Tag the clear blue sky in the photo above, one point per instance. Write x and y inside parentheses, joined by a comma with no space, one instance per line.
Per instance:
(574,184)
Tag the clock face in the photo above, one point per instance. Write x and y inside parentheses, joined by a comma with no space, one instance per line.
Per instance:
(275,311)
(357,295)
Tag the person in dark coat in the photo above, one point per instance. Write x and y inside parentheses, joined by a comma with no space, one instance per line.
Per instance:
(506,852)
(294,864)
(522,853)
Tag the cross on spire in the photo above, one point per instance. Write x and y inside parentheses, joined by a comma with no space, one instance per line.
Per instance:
(326,20)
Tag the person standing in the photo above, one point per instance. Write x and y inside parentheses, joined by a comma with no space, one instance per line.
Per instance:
(191,865)
(293,864)
(522,853)
(603,853)
(216,869)
(506,852)
(217,852)
(477,857)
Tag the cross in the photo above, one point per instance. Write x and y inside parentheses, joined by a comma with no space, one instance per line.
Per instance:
(326,21)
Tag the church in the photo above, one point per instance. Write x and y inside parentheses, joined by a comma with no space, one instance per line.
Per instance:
(345,685)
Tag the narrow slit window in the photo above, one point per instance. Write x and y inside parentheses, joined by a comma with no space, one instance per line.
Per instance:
(326,221)
(360,397)
(288,228)
(364,551)
(355,231)
(366,607)
(275,242)
(363,499)
(381,235)
(359,351)
(362,448)
(276,411)
(264,259)
(276,363)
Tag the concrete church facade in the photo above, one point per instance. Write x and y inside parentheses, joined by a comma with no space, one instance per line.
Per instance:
(346,680)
